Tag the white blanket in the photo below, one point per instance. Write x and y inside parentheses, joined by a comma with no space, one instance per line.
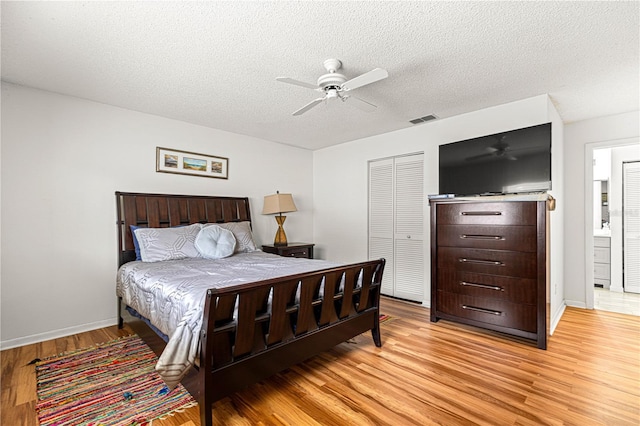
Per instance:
(171,295)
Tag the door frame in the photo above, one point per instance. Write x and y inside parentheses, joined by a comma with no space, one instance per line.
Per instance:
(588,209)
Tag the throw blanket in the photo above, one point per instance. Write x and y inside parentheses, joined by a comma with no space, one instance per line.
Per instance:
(171,295)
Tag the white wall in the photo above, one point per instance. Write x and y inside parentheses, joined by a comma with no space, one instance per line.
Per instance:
(340,178)
(580,140)
(62,160)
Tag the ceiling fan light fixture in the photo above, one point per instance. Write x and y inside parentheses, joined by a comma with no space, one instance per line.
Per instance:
(335,86)
(332,94)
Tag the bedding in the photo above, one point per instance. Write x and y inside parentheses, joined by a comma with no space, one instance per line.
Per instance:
(171,295)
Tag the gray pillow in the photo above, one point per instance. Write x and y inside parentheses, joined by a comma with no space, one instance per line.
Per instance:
(215,242)
(242,232)
(157,244)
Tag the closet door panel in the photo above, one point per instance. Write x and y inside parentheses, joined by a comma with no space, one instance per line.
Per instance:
(409,197)
(409,277)
(383,247)
(409,227)
(381,218)
(631,226)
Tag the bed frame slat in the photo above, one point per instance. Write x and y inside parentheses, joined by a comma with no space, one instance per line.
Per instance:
(197,212)
(175,212)
(347,307)
(328,307)
(280,326)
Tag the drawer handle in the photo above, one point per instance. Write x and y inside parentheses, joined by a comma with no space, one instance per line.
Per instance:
(481,237)
(481,262)
(488,287)
(481,213)
(484,311)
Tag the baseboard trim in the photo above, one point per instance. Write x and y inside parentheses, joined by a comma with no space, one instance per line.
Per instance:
(55,334)
(555,319)
(575,304)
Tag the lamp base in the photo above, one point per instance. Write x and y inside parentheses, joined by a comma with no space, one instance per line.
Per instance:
(281,237)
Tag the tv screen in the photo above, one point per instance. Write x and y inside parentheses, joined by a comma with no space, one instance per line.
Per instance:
(517,161)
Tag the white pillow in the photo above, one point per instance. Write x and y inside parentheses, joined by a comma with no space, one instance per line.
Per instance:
(214,242)
(242,232)
(158,244)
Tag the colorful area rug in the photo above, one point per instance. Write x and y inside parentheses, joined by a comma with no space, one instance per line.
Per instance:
(113,383)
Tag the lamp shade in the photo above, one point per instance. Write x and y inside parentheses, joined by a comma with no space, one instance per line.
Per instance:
(278,203)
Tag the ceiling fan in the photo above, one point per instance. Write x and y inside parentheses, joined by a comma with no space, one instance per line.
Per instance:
(336,86)
(499,149)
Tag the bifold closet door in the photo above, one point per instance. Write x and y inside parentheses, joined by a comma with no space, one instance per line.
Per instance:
(396,223)
(631,226)
(381,218)
(409,227)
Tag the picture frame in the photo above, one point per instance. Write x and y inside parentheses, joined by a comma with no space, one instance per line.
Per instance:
(191,163)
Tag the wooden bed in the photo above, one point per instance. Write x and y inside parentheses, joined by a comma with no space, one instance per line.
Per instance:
(262,338)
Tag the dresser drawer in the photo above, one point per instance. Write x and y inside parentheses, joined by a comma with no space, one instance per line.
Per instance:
(291,250)
(522,213)
(491,311)
(295,252)
(516,290)
(493,262)
(517,238)
(602,271)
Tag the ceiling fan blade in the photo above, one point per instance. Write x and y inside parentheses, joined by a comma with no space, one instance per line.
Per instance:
(478,157)
(364,79)
(297,82)
(308,106)
(361,104)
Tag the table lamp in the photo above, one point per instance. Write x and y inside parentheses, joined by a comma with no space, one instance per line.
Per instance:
(279,203)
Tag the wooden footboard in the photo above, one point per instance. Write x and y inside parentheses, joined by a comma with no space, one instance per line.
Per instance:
(252,331)
(279,323)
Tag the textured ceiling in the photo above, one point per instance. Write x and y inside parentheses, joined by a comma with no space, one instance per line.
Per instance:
(215,63)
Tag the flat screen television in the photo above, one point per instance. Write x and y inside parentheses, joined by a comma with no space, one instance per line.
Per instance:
(517,161)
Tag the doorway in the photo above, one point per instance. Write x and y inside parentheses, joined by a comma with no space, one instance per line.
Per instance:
(605,233)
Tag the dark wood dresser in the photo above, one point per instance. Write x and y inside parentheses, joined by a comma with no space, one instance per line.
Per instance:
(489,265)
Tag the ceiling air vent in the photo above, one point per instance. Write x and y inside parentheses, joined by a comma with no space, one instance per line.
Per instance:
(423,119)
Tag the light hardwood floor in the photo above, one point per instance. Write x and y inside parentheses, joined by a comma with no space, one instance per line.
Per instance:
(425,373)
(612,301)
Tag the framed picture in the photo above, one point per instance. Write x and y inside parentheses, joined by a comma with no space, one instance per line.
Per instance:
(191,163)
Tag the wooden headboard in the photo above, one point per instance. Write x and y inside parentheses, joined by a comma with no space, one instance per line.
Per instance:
(166,210)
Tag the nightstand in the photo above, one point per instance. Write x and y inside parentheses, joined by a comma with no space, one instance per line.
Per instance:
(291,250)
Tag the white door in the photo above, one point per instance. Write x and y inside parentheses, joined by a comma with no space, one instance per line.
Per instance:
(396,223)
(409,227)
(381,218)
(631,226)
